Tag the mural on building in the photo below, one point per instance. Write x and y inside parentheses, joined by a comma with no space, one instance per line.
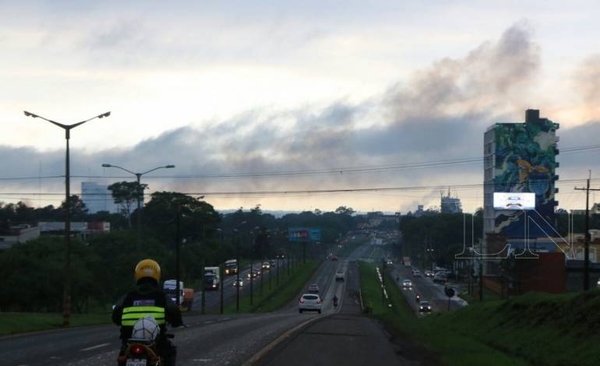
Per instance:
(526,162)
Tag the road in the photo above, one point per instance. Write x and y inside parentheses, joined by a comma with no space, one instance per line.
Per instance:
(427,290)
(343,337)
(208,339)
(339,335)
(268,278)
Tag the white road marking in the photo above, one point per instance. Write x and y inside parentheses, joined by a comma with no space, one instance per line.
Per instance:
(94,347)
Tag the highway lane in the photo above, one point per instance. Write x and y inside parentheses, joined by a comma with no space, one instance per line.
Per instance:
(342,337)
(212,299)
(427,290)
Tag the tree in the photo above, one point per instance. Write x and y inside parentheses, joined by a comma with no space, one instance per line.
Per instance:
(344,210)
(125,194)
(78,209)
(198,219)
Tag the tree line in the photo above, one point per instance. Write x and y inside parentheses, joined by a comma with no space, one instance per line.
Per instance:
(435,238)
(101,266)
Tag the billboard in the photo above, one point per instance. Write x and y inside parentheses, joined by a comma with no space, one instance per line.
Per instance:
(514,201)
(304,234)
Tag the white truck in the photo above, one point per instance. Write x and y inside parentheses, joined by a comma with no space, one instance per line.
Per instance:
(186,295)
(212,278)
(170,288)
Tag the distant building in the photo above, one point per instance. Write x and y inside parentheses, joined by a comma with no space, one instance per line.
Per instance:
(450,204)
(18,234)
(97,197)
(520,157)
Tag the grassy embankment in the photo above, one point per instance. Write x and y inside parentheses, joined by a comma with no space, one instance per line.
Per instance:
(533,329)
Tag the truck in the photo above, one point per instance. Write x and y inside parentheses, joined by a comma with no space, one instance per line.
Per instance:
(212,279)
(186,295)
(231,266)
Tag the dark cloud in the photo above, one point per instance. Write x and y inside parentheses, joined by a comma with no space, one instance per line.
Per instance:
(440,115)
(586,82)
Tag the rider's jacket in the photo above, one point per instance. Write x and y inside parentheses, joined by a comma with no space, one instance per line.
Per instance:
(147,299)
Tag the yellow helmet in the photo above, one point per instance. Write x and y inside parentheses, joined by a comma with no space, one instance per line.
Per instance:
(147,268)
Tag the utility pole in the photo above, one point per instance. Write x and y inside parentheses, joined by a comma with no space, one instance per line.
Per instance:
(586,241)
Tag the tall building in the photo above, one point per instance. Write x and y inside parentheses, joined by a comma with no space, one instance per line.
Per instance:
(520,157)
(450,204)
(97,198)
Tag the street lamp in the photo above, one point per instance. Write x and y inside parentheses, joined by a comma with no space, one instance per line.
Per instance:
(67,289)
(139,195)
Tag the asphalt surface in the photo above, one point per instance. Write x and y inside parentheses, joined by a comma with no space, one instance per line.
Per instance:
(346,337)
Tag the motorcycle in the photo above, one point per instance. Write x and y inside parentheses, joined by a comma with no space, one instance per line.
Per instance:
(142,352)
(335,302)
(418,298)
(145,345)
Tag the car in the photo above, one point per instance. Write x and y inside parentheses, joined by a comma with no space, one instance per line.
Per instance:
(334,258)
(416,273)
(440,277)
(254,274)
(424,307)
(313,288)
(310,302)
(429,273)
(266,265)
(238,282)
(339,275)
(273,263)
(407,284)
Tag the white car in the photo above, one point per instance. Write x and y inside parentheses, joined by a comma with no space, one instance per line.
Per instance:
(424,307)
(407,284)
(238,282)
(310,302)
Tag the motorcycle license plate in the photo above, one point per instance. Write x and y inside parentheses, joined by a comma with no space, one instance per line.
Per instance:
(135,362)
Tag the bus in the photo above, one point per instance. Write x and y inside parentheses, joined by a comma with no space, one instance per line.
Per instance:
(231,267)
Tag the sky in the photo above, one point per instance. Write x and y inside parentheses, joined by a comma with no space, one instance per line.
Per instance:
(376,106)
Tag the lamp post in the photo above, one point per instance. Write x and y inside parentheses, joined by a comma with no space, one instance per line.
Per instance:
(221,270)
(139,195)
(67,285)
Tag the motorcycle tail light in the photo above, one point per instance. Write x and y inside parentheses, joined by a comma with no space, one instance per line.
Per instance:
(137,349)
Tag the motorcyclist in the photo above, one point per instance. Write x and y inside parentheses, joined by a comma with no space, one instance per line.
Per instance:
(148,299)
(418,298)
(335,300)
